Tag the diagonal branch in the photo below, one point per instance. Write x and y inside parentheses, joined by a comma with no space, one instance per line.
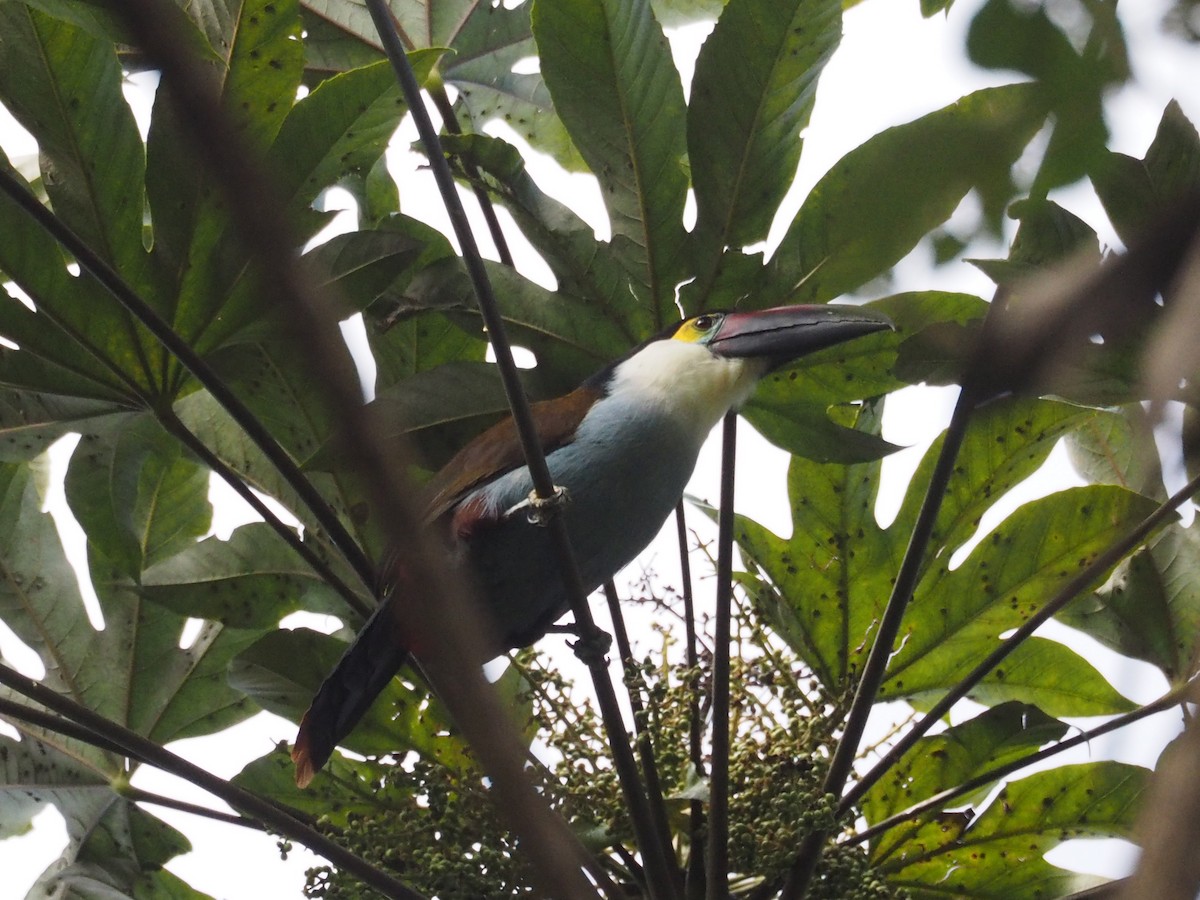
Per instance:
(1077,585)
(1169,700)
(875,667)
(134,745)
(593,642)
(121,291)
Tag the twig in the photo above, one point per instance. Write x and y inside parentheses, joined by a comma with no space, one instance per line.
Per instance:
(717,861)
(694,885)
(137,795)
(486,207)
(19,712)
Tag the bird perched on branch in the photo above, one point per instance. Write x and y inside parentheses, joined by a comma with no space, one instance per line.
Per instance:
(622,445)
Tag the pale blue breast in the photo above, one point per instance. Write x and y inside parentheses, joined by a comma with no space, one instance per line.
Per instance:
(624,473)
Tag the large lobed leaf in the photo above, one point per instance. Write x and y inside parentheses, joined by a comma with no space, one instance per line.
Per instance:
(133,672)
(1133,190)
(1000,853)
(825,586)
(937,762)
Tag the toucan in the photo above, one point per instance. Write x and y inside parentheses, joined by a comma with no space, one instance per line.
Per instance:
(622,446)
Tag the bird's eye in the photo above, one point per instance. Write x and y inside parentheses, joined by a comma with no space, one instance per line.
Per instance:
(704,323)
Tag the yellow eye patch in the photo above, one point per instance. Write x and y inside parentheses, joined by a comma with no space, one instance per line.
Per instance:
(698,328)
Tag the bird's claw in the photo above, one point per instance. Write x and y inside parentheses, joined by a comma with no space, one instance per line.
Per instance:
(541,509)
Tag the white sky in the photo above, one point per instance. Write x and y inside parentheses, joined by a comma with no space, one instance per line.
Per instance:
(892,66)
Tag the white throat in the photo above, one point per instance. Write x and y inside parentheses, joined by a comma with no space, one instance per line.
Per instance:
(687,382)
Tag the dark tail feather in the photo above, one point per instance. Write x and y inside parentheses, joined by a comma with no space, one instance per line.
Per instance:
(347,693)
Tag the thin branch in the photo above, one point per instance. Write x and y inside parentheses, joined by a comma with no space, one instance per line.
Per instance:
(937,801)
(694,886)
(486,207)
(18,712)
(593,642)
(717,861)
(119,289)
(137,795)
(134,745)
(1085,578)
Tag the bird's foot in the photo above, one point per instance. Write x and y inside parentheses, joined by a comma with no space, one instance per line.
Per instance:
(592,649)
(541,509)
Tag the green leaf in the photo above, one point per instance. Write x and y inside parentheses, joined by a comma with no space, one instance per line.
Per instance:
(819,596)
(375,193)
(89,15)
(582,265)
(1150,608)
(163,885)
(935,763)
(930,8)
(1117,448)
(78,343)
(1019,565)
(752,94)
(64,86)
(571,339)
(439,410)
(1005,443)
(113,846)
(201,254)
(823,588)
(789,406)
(1134,190)
(804,429)
(866,367)
(1039,671)
(492,41)
(289,397)
(1048,234)
(1000,854)
(283,670)
(133,672)
(251,580)
(880,199)
(1008,36)
(30,422)
(420,343)
(360,267)
(206,419)
(139,497)
(341,128)
(673,13)
(614,84)
(342,789)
